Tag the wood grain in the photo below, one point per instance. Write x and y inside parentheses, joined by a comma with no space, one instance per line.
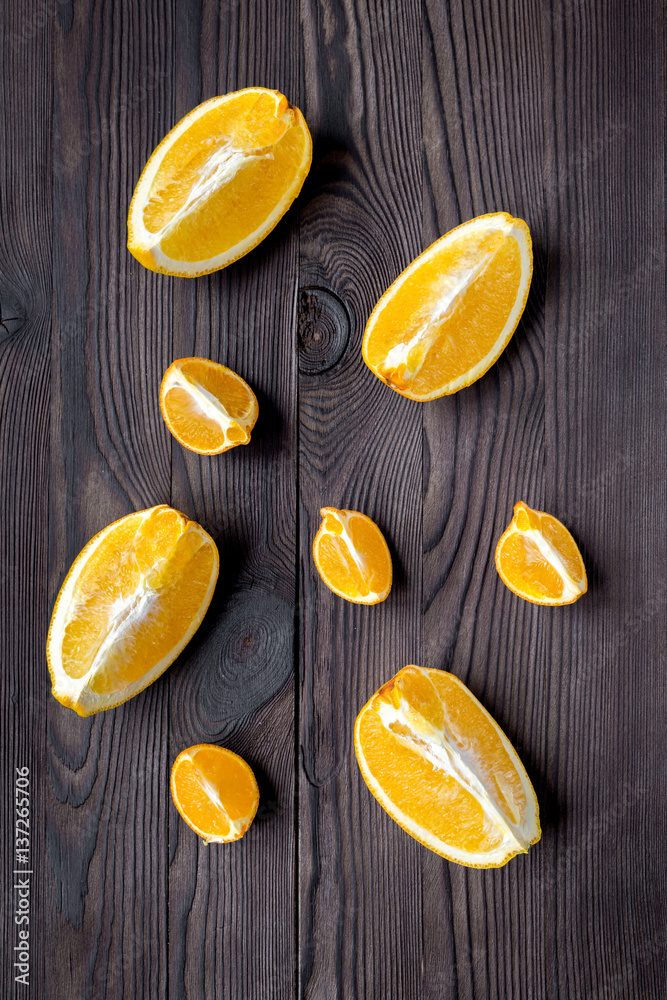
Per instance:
(26,237)
(608,474)
(423,114)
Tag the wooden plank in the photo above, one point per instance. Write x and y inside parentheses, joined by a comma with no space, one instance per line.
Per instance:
(607,307)
(359,448)
(106,812)
(26,236)
(231,907)
(541,113)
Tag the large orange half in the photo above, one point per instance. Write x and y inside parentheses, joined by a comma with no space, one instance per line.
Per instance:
(448,317)
(444,770)
(132,600)
(219,182)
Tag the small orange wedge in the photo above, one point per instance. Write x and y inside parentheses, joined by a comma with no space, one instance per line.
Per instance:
(207,407)
(444,770)
(538,559)
(352,556)
(449,316)
(219,182)
(132,600)
(215,792)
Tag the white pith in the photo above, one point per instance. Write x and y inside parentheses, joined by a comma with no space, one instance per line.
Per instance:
(203,400)
(398,354)
(447,757)
(125,613)
(148,242)
(360,562)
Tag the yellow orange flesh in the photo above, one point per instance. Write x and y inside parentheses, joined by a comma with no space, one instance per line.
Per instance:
(448,317)
(219,182)
(352,556)
(444,770)
(538,559)
(131,601)
(207,407)
(215,792)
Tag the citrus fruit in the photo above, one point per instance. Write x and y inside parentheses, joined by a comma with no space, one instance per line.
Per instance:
(207,407)
(219,182)
(443,769)
(133,598)
(215,792)
(538,559)
(352,556)
(448,317)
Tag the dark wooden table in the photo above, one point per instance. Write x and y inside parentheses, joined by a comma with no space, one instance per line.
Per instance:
(423,115)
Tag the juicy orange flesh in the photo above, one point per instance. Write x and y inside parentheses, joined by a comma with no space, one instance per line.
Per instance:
(255,145)
(526,567)
(369,573)
(142,588)
(464,329)
(434,800)
(418,786)
(192,424)
(523,563)
(212,788)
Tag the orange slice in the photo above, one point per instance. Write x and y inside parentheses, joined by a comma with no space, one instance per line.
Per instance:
(538,559)
(215,792)
(444,770)
(449,316)
(219,182)
(132,600)
(207,407)
(352,556)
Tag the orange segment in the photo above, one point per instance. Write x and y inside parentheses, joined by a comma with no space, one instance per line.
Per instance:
(132,600)
(215,792)
(443,769)
(352,556)
(448,317)
(219,182)
(538,559)
(207,407)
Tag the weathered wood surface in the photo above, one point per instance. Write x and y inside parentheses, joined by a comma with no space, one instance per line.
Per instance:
(423,115)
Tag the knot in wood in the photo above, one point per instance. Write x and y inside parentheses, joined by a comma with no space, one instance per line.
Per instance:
(324,330)
(247,657)
(247,643)
(13,312)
